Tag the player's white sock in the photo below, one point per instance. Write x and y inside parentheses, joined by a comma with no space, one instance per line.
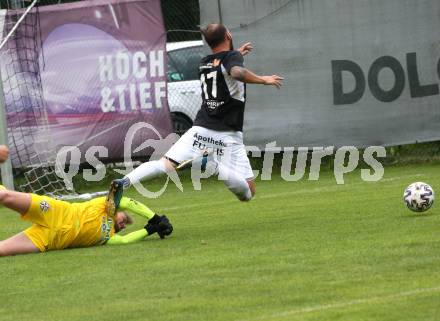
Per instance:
(146,171)
(235,183)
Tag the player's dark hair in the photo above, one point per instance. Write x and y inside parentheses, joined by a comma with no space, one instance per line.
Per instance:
(214,34)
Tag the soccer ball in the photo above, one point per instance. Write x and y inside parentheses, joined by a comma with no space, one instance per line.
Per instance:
(419,197)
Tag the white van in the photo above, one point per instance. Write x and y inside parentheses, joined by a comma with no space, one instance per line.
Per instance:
(184,88)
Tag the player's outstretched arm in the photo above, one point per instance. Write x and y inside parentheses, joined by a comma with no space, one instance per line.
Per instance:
(247,76)
(159,224)
(135,207)
(132,237)
(246,48)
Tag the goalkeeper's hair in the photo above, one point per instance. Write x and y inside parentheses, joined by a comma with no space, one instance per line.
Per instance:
(214,34)
(129,218)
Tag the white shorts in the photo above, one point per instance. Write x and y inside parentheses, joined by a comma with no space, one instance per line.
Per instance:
(227,148)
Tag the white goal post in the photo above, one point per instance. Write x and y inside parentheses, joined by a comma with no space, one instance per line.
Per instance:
(11,32)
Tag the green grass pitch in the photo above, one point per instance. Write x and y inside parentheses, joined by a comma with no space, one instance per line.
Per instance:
(307,250)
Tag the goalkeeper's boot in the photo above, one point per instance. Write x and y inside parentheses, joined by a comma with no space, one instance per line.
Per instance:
(114,197)
(160,225)
(117,188)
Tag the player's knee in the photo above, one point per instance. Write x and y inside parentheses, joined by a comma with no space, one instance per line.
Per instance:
(244,195)
(249,195)
(245,198)
(243,190)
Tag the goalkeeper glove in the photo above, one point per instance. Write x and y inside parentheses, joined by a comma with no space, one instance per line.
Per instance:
(160,225)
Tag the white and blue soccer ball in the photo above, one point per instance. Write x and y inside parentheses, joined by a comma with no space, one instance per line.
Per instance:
(419,197)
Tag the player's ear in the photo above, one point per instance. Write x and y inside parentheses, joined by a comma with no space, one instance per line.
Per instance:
(228,35)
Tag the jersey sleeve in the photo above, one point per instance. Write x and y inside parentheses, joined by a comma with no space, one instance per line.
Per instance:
(132,206)
(233,59)
(132,237)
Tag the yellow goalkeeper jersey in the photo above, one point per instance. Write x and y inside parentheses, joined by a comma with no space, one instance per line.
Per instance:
(95,227)
(58,224)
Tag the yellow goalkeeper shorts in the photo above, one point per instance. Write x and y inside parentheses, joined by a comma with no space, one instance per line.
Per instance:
(55,223)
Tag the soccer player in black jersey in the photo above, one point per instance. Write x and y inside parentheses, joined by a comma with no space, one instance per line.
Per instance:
(219,123)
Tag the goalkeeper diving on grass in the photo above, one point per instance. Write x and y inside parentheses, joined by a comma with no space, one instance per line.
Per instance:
(58,224)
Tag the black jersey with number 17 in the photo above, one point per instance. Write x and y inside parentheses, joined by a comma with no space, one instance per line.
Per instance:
(223,97)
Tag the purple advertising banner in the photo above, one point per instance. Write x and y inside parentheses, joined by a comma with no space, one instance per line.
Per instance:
(103,68)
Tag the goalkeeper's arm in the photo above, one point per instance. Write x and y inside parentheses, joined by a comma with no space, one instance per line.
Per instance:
(156,224)
(132,206)
(129,238)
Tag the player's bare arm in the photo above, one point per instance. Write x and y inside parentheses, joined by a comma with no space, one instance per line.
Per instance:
(246,48)
(245,75)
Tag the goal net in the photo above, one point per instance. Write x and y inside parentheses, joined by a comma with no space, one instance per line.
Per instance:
(29,137)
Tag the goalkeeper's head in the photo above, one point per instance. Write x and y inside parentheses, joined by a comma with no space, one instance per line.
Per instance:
(122,219)
(4,153)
